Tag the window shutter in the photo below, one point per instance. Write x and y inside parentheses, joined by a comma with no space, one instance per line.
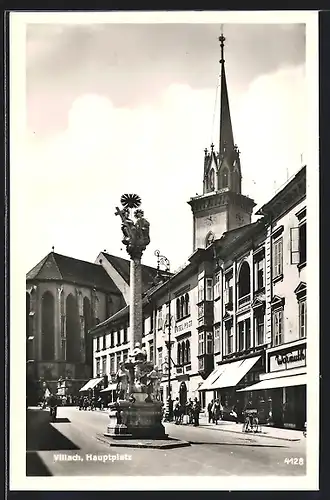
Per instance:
(294,245)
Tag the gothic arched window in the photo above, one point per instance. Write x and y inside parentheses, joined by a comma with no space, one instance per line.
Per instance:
(188,351)
(224,178)
(187,305)
(182,307)
(72,329)
(178,309)
(179,355)
(235,181)
(48,326)
(88,325)
(211,180)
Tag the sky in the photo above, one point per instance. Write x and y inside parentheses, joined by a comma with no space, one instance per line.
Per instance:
(130,108)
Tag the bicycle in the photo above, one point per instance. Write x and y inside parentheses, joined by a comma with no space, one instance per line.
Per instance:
(251,423)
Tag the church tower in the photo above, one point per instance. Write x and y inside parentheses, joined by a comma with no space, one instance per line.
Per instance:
(221,207)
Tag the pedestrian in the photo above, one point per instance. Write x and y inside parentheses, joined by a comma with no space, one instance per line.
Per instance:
(196,411)
(189,409)
(216,411)
(234,413)
(209,411)
(177,411)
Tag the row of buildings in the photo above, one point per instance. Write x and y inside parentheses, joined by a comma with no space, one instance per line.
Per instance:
(231,324)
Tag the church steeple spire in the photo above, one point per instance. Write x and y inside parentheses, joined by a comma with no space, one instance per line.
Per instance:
(226,139)
(222,207)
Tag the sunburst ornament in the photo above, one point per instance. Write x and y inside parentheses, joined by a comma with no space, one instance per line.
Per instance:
(130,200)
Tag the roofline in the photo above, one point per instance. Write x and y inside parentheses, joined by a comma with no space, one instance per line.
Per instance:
(266,207)
(70,282)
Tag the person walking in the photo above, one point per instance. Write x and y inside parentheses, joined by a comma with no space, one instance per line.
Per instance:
(196,411)
(177,411)
(216,411)
(210,411)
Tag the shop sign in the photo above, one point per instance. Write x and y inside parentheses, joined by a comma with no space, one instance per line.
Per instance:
(183,326)
(288,359)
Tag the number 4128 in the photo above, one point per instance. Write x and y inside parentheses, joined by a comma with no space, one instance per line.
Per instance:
(294,461)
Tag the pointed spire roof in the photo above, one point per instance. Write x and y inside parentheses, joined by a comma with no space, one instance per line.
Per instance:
(226,139)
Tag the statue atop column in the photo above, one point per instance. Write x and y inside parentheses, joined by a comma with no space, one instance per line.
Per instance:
(135,234)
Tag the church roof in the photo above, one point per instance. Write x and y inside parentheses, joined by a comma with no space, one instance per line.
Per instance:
(56,267)
(122,266)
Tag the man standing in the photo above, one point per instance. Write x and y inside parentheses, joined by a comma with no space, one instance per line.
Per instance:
(196,411)
(209,411)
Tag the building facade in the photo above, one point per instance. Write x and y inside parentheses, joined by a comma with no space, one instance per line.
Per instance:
(232,323)
(65,297)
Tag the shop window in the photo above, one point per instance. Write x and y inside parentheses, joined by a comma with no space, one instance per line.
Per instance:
(277,257)
(278,327)
(217,285)
(302,318)
(209,289)
(201,347)
(217,339)
(298,244)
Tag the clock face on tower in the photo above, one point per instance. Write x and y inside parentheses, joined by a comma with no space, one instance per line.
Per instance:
(239,219)
(209,220)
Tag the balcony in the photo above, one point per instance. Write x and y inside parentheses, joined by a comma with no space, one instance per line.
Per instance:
(243,301)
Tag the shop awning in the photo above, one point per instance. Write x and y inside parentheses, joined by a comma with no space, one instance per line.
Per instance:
(91,384)
(111,387)
(274,383)
(206,385)
(229,374)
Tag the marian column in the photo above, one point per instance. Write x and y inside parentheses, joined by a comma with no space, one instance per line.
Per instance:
(136,238)
(137,411)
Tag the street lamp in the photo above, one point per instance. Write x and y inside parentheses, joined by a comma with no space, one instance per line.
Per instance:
(162,260)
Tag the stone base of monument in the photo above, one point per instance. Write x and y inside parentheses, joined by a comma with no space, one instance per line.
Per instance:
(138,424)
